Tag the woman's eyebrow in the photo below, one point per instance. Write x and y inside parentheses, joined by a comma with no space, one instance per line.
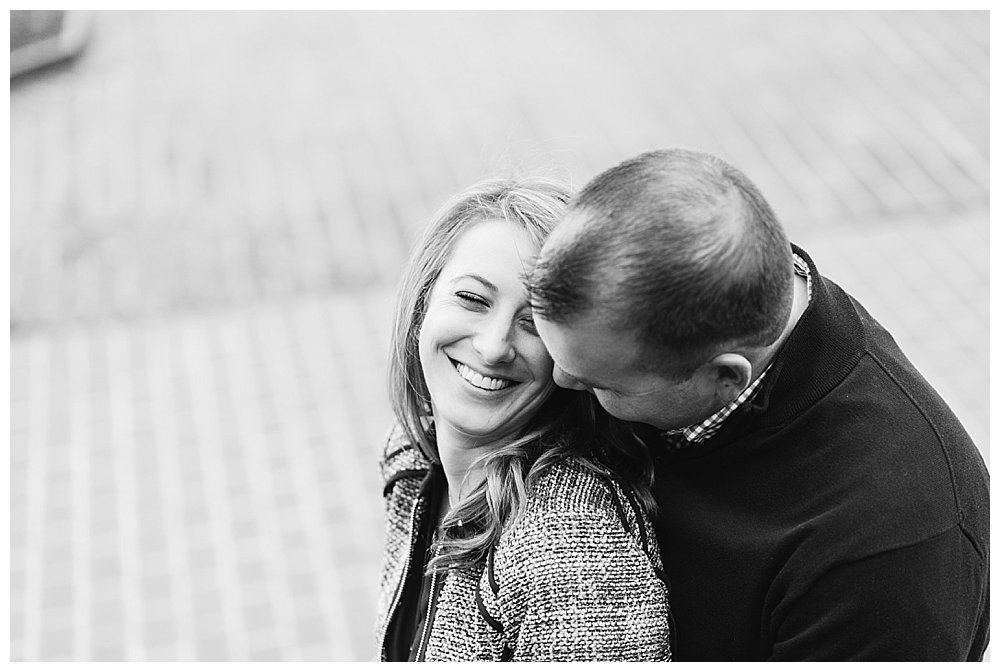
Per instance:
(478,278)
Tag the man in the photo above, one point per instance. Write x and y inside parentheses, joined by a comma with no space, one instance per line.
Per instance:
(818,500)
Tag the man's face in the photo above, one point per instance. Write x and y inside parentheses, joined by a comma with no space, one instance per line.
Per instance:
(591,355)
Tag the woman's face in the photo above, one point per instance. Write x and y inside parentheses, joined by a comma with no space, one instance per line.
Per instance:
(485,366)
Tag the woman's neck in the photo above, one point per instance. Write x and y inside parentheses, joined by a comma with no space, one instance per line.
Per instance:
(458,453)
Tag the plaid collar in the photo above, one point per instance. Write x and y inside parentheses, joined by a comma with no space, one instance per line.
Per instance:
(707,428)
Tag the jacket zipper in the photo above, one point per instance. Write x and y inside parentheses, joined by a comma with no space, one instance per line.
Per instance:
(399,586)
(425,635)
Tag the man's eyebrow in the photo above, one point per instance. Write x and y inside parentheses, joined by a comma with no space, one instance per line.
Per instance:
(478,278)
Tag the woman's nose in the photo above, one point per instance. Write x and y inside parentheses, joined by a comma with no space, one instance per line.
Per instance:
(494,342)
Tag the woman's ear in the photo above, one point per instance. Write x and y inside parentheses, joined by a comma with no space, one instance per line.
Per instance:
(731,373)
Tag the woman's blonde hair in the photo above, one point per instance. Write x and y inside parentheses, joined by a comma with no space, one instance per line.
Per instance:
(569,423)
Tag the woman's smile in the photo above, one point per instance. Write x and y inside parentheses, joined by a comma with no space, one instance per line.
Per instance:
(481,381)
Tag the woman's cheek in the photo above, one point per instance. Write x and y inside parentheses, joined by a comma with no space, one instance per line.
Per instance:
(540,359)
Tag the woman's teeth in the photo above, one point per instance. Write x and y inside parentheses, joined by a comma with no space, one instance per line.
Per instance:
(480,381)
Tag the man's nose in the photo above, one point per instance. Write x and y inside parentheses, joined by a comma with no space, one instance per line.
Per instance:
(494,343)
(563,379)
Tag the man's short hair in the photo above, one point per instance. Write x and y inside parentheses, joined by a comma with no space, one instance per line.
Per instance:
(676,247)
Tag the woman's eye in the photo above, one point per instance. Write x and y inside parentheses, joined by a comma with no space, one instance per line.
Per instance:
(471,299)
(529,325)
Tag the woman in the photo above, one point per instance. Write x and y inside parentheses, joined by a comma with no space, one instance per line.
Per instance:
(516,524)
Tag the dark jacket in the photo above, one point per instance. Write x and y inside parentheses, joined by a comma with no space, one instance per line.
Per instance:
(576,578)
(842,515)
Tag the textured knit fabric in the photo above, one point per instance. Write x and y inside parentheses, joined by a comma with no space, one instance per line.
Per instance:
(577,578)
(843,514)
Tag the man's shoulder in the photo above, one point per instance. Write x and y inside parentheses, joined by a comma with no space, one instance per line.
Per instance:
(885,403)
(846,362)
(882,446)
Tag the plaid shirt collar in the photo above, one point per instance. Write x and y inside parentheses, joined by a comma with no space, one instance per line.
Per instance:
(707,428)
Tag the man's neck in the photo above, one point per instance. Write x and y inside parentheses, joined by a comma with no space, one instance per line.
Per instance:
(800,301)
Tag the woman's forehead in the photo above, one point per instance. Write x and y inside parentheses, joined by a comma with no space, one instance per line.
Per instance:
(493,246)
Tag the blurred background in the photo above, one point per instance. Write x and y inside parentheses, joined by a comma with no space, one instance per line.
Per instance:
(209,212)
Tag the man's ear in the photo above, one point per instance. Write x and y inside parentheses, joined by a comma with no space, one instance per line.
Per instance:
(732,373)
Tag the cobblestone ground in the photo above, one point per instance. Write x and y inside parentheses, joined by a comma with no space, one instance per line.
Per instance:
(209,212)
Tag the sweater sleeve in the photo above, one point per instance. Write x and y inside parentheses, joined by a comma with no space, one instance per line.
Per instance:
(910,603)
(575,586)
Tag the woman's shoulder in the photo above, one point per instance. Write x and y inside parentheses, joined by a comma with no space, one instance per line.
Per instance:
(582,495)
(578,512)
(575,497)
(574,484)
(400,458)
(569,580)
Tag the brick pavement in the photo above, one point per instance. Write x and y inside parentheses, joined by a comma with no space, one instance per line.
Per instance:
(209,212)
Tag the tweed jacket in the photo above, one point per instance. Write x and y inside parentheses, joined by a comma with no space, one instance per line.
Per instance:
(577,577)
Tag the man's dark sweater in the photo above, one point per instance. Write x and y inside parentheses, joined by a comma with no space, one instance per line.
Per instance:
(843,514)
